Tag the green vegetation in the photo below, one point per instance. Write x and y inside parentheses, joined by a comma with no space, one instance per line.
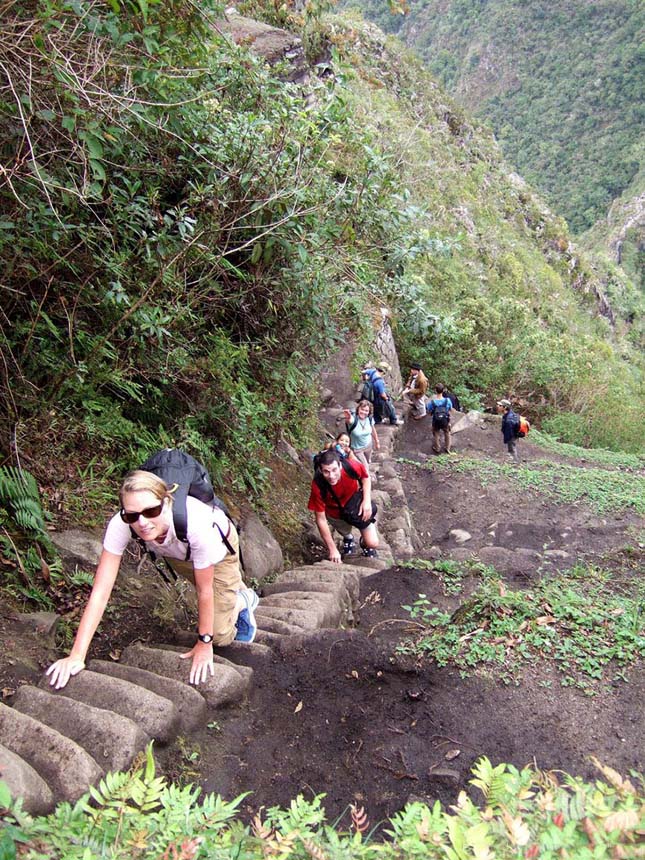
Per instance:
(600,489)
(579,621)
(612,459)
(524,813)
(184,239)
(561,85)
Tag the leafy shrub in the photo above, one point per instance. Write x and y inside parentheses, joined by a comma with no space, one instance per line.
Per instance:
(525,813)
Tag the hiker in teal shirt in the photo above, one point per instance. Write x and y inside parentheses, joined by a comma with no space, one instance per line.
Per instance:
(362,431)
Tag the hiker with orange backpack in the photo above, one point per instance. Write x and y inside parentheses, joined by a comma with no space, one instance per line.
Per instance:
(510,428)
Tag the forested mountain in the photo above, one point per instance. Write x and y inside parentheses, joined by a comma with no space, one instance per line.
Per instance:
(561,84)
(186,235)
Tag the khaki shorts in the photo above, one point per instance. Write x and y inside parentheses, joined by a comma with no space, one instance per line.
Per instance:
(227,581)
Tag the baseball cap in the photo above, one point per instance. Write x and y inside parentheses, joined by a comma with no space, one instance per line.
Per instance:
(505,403)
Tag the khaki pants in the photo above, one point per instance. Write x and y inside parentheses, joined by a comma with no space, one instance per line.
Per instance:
(227,581)
(446,438)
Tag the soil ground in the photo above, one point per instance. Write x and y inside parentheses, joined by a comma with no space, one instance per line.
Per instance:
(342,713)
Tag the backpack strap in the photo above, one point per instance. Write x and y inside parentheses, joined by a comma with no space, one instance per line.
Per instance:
(350,427)
(224,537)
(325,487)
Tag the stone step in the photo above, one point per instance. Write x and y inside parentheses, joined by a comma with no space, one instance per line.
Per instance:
(327,571)
(23,781)
(335,589)
(370,565)
(191,705)
(238,654)
(276,626)
(157,716)
(305,619)
(219,659)
(226,687)
(269,640)
(111,740)
(65,766)
(331,611)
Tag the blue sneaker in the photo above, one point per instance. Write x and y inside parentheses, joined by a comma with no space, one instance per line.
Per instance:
(246,624)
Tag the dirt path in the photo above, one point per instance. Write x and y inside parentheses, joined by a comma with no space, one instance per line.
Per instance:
(342,713)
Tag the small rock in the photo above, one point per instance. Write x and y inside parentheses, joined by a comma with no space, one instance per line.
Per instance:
(460,535)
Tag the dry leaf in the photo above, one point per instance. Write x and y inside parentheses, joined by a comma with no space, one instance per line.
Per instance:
(44,569)
(518,832)
(452,754)
(545,619)
(298,707)
(623,820)
(502,589)
(613,776)
(354,673)
(115,654)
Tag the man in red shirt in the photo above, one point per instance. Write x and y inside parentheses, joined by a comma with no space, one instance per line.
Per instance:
(343,502)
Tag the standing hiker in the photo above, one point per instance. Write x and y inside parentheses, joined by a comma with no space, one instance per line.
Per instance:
(225,605)
(452,398)
(382,401)
(439,407)
(362,431)
(510,428)
(415,390)
(341,498)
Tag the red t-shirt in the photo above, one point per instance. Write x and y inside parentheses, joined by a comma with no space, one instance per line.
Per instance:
(344,489)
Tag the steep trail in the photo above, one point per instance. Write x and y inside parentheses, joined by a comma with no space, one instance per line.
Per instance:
(325,702)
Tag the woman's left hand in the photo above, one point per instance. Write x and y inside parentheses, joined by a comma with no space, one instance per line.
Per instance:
(202,665)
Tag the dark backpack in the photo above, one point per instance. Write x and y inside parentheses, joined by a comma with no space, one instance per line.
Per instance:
(185,476)
(367,391)
(440,414)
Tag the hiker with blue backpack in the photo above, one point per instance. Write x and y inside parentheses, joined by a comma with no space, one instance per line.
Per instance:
(341,499)
(360,426)
(198,541)
(439,407)
(383,405)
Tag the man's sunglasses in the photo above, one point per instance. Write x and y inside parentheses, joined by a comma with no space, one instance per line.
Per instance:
(149,513)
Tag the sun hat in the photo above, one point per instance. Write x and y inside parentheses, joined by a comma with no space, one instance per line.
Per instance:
(505,403)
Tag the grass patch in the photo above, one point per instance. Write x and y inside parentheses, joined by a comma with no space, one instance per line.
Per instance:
(616,459)
(451,573)
(598,488)
(576,620)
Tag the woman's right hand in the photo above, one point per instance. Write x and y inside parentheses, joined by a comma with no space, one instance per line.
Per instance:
(62,670)
(347,414)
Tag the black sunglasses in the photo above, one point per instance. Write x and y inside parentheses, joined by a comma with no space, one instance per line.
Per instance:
(149,513)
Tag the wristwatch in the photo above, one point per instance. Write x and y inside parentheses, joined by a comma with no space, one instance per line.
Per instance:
(205,637)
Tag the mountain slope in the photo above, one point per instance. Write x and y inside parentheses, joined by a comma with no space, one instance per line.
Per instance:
(561,84)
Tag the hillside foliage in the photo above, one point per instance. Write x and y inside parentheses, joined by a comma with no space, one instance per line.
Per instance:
(561,85)
(184,237)
(524,813)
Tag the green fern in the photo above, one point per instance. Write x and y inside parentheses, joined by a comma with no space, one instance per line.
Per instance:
(20,497)
(491,781)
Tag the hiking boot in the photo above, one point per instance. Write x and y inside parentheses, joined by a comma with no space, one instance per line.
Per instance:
(368,552)
(349,547)
(246,624)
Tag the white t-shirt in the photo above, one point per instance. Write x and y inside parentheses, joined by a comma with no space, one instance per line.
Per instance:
(204,538)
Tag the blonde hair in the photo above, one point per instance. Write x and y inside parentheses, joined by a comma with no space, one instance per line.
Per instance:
(138,480)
